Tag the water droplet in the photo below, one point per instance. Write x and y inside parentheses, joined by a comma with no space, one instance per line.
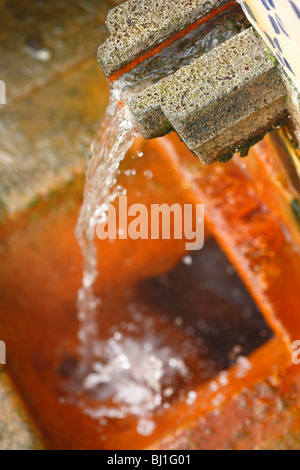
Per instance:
(168,392)
(145,427)
(218,400)
(178,321)
(191,398)
(214,387)
(131,172)
(243,367)
(223,379)
(148,174)
(187,260)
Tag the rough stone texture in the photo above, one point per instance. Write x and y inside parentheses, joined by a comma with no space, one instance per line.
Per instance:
(243,134)
(137,26)
(16,429)
(293,104)
(212,96)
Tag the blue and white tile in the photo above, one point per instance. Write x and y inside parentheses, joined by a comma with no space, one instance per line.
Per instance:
(278,22)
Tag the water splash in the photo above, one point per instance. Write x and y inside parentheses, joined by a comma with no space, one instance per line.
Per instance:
(132,376)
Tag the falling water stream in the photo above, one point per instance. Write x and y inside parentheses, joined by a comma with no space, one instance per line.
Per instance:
(114,138)
(131,369)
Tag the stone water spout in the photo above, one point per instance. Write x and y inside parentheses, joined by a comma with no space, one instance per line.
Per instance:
(238,83)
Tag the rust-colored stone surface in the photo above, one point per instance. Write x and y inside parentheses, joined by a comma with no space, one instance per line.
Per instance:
(224,415)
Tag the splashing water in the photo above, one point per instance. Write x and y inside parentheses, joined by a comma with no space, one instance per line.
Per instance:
(114,138)
(133,376)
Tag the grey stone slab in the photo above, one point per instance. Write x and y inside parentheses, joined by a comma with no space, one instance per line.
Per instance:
(212,95)
(241,136)
(138,26)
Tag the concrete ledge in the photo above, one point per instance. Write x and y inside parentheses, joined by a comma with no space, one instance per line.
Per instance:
(243,135)
(212,96)
(138,26)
